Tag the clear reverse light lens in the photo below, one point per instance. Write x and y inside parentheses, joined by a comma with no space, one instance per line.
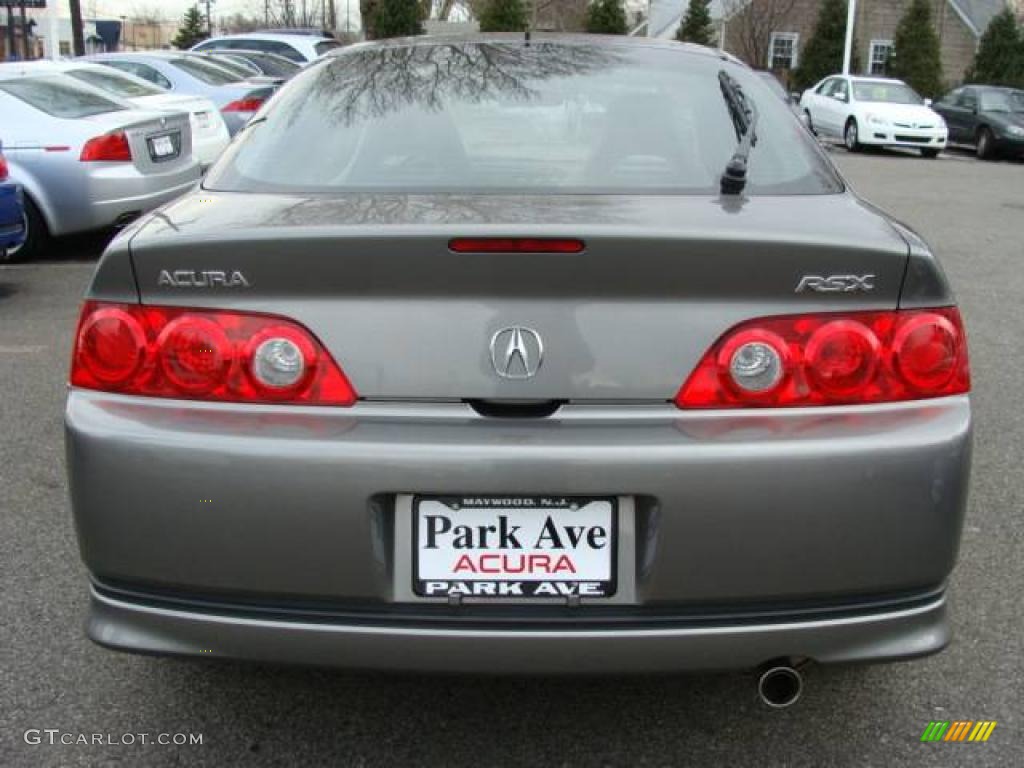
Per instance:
(278,363)
(755,367)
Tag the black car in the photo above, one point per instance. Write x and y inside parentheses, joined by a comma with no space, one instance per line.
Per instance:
(986,117)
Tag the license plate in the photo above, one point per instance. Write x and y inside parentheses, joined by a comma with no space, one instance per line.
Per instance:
(514,547)
(161,147)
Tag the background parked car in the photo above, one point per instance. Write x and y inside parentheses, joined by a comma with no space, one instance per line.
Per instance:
(299,47)
(256,63)
(986,117)
(209,133)
(12,213)
(84,160)
(876,111)
(237,98)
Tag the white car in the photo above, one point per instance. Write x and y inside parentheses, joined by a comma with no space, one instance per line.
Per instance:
(209,132)
(300,48)
(873,110)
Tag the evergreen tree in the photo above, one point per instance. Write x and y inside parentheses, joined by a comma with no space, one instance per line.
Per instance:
(915,56)
(1000,56)
(396,18)
(606,17)
(823,54)
(503,16)
(696,26)
(191,31)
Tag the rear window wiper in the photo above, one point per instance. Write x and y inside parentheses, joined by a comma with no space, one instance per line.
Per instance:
(744,120)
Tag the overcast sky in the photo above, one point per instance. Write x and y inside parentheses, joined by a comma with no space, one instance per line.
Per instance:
(174,9)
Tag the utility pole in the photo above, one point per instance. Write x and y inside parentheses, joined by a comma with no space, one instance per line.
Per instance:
(209,18)
(77,38)
(851,13)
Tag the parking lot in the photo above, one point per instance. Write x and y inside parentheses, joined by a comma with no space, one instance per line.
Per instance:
(51,677)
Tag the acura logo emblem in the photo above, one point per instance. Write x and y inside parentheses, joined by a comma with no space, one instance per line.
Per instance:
(516,352)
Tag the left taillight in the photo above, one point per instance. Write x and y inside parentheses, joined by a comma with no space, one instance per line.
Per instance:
(110,148)
(3,168)
(833,359)
(203,354)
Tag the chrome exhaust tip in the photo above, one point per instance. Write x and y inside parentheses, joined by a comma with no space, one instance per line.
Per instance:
(780,686)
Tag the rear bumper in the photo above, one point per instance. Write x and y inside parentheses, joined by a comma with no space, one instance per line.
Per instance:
(112,191)
(293,505)
(901,633)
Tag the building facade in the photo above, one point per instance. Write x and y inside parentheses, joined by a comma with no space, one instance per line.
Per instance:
(771,34)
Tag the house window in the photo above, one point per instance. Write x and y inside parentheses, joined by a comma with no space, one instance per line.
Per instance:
(878,59)
(782,50)
(65,48)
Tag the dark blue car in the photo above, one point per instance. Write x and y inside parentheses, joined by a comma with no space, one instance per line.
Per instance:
(12,214)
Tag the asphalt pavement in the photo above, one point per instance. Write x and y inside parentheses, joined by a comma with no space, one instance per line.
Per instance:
(51,677)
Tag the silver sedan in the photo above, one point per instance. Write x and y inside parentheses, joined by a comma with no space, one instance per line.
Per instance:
(84,160)
(238,98)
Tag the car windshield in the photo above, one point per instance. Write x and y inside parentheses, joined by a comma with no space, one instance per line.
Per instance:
(325,45)
(107,79)
(511,117)
(995,101)
(886,93)
(211,74)
(59,96)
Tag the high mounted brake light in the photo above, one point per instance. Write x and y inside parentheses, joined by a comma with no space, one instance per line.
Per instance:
(203,354)
(833,359)
(515,245)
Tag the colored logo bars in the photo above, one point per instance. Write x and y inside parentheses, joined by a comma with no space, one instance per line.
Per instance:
(958,730)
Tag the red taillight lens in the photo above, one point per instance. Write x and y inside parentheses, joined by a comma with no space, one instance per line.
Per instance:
(203,354)
(110,147)
(515,245)
(3,168)
(111,346)
(830,359)
(243,105)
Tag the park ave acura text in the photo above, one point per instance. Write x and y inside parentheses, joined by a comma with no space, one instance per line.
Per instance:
(502,354)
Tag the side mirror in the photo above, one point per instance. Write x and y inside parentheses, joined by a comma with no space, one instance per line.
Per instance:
(927,102)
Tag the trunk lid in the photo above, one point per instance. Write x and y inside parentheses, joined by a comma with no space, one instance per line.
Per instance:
(627,319)
(160,142)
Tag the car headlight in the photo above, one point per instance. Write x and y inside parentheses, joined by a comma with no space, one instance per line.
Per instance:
(876,119)
(1015,130)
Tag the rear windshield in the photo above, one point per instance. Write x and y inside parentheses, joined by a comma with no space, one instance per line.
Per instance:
(325,45)
(242,68)
(211,74)
(107,79)
(274,66)
(886,93)
(507,117)
(59,96)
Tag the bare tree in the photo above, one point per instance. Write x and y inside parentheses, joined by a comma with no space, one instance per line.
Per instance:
(749,27)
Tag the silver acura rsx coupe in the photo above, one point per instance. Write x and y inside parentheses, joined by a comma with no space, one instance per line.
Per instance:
(500,354)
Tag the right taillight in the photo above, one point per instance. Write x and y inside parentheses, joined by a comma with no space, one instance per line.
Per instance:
(203,354)
(110,148)
(833,359)
(3,169)
(248,104)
